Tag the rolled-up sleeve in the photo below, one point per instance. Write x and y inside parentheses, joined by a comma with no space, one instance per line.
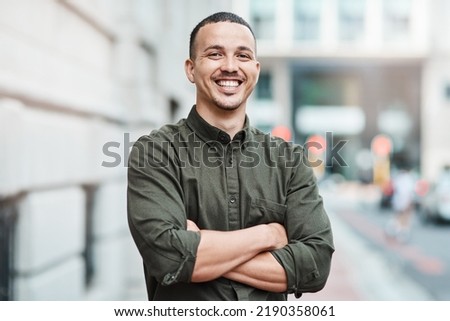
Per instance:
(156,214)
(307,257)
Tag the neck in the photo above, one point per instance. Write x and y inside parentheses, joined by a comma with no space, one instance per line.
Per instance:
(230,121)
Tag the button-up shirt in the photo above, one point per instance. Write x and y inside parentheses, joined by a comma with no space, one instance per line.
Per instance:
(192,170)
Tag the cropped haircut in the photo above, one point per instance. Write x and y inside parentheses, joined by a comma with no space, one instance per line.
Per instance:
(215,18)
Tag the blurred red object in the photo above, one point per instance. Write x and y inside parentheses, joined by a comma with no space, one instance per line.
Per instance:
(283,132)
(422,187)
(316,144)
(381,145)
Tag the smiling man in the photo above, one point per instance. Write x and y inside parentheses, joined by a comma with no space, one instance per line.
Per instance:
(218,209)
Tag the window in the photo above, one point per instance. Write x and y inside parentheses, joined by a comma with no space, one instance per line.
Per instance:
(174,108)
(263,18)
(264,86)
(396,20)
(351,20)
(8,218)
(89,245)
(307,20)
(447,92)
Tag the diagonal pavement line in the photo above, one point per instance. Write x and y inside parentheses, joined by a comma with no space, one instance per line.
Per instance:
(422,262)
(376,277)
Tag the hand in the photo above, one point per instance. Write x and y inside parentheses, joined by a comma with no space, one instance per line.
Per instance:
(279,234)
(191,226)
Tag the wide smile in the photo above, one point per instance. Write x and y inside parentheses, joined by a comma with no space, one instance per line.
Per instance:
(228,86)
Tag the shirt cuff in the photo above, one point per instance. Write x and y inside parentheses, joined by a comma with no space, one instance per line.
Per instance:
(300,268)
(186,243)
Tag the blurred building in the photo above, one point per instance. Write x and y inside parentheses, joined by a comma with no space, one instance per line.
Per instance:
(356,68)
(80,80)
(436,93)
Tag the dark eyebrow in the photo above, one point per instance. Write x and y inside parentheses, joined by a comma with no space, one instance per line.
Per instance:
(245,48)
(218,47)
(215,47)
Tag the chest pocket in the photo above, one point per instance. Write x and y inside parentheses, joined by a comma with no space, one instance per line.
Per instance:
(264,211)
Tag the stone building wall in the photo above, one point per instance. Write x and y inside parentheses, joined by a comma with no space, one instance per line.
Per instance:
(80,80)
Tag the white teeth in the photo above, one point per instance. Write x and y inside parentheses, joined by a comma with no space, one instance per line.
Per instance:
(228,83)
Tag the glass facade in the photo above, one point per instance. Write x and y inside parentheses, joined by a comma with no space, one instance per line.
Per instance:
(351,20)
(332,84)
(263,18)
(396,20)
(264,87)
(307,15)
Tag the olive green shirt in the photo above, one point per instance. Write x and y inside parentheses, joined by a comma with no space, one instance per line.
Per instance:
(192,170)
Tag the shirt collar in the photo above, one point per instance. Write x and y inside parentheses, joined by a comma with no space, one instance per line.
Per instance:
(208,132)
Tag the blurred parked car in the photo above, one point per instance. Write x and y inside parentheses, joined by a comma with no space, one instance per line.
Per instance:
(435,205)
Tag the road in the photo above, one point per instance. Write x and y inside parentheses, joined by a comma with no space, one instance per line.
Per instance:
(424,258)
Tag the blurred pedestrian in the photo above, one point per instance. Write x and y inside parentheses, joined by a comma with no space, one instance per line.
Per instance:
(218,209)
(404,187)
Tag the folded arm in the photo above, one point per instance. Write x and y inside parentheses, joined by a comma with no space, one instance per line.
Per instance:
(242,256)
(262,271)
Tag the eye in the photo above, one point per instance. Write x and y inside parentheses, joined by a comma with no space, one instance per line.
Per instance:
(244,56)
(215,55)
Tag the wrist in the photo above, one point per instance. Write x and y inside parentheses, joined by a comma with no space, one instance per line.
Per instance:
(269,237)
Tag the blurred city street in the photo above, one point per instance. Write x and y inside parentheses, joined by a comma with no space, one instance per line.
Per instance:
(368,265)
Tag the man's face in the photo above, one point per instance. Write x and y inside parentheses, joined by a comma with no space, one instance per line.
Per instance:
(224,68)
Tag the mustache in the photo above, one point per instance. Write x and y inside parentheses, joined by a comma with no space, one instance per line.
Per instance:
(226,74)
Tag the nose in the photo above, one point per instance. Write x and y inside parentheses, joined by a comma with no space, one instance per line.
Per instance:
(230,64)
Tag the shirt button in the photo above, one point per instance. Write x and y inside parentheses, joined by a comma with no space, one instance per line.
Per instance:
(224,138)
(232,199)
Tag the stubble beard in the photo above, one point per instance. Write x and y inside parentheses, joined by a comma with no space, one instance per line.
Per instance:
(227,105)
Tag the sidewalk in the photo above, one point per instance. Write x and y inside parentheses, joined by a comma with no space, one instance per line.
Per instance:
(342,284)
(360,273)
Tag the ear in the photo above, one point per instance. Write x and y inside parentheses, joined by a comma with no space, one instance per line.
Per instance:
(189,69)
(258,67)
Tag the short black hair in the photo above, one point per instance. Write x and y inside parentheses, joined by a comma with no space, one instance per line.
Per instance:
(215,18)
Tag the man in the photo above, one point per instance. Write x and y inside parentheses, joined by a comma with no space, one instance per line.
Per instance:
(218,209)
